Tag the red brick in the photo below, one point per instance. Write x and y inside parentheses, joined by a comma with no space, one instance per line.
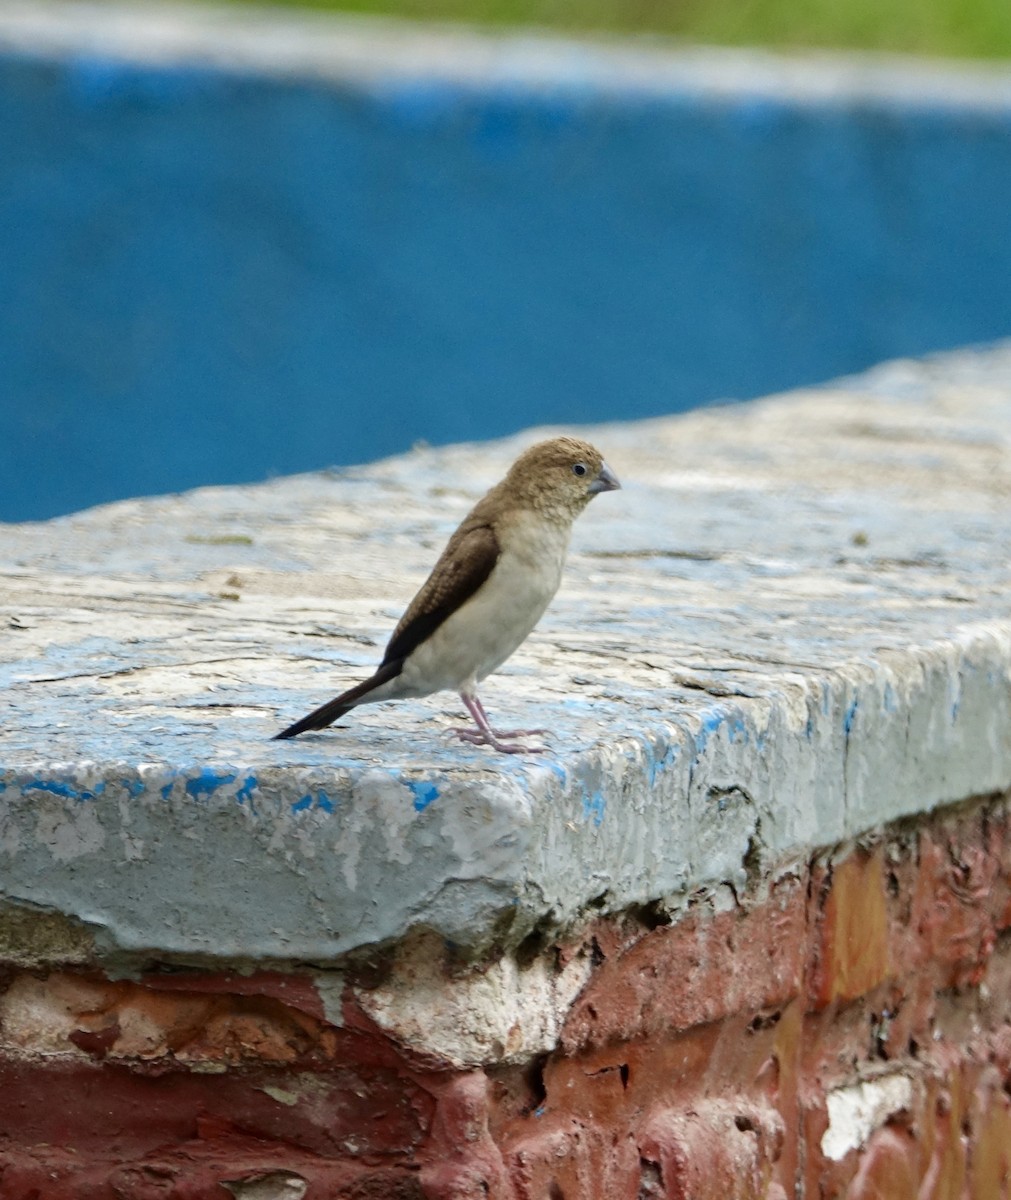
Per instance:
(851,950)
(194,1173)
(460,1160)
(695,1062)
(703,968)
(952,900)
(943,1139)
(990,1144)
(889,1168)
(124,1112)
(295,990)
(719,1150)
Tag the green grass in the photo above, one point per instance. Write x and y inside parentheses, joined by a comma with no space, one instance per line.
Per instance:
(959,28)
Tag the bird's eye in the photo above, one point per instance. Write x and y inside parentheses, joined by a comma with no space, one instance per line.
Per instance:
(579,468)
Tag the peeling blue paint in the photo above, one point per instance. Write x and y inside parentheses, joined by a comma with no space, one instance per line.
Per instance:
(56,788)
(245,793)
(424,794)
(655,764)
(594,806)
(206,783)
(712,720)
(559,771)
(309,801)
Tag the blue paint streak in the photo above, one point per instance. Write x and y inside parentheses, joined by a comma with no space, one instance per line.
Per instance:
(594,807)
(656,765)
(245,793)
(206,783)
(424,794)
(890,700)
(712,720)
(850,717)
(56,788)
(320,801)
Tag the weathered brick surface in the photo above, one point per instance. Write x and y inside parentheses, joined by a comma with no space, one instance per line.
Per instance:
(846,1034)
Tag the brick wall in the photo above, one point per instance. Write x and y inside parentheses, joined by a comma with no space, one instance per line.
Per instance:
(844,1030)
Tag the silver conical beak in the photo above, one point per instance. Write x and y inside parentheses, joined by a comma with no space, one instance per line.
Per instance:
(606,481)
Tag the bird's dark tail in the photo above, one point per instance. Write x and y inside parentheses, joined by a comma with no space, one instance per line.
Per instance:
(320,718)
(334,709)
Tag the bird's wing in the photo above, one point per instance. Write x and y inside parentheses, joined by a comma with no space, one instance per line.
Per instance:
(465,564)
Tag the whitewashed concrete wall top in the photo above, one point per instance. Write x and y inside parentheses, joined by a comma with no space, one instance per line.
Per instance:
(793,624)
(347,46)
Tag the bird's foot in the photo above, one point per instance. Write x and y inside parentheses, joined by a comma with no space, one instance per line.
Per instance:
(478,737)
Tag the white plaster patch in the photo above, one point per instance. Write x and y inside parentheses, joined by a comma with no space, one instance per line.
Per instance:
(281,1095)
(507,1013)
(268,1185)
(330,989)
(855,1112)
(39,1014)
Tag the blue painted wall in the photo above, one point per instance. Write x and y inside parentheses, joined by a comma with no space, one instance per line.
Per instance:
(209,278)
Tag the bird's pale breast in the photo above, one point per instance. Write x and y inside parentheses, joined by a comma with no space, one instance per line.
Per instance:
(484,631)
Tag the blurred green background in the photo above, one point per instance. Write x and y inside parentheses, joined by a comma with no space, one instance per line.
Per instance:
(964,28)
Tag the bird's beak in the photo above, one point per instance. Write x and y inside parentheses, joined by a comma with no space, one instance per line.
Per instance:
(606,481)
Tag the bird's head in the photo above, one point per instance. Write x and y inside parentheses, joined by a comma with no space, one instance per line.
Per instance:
(560,477)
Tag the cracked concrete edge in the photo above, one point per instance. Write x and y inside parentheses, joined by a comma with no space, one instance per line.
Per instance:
(323,863)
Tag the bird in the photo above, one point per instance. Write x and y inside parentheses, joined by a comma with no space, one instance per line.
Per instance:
(489,588)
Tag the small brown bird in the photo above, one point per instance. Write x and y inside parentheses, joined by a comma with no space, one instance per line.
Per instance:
(489,589)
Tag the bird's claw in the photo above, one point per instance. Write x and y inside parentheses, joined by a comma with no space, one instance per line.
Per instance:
(477,737)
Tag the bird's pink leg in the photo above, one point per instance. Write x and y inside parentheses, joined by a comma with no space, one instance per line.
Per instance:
(484,735)
(505,733)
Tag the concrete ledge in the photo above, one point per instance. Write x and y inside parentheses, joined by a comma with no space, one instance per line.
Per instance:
(792,626)
(347,47)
